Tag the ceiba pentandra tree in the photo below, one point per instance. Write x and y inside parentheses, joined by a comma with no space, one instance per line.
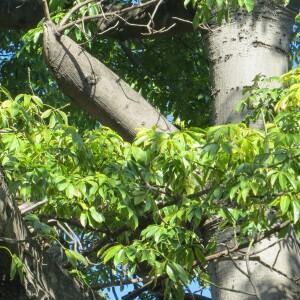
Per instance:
(247,44)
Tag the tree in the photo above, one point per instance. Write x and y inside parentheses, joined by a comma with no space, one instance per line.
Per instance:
(165,193)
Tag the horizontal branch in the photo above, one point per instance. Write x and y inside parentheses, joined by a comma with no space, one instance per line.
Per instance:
(268,233)
(104,15)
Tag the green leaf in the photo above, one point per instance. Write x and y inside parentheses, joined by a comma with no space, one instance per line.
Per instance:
(46,113)
(13,268)
(241,3)
(98,217)
(75,257)
(70,191)
(52,121)
(249,5)
(220,3)
(282,180)
(284,204)
(16,266)
(170,273)
(111,252)
(63,116)
(186,2)
(296,210)
(138,154)
(83,219)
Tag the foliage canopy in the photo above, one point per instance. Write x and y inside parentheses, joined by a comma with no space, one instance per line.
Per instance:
(138,209)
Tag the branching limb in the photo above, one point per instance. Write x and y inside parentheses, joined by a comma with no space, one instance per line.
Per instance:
(63,26)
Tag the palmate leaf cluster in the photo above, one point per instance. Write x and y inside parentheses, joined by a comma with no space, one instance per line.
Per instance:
(139,208)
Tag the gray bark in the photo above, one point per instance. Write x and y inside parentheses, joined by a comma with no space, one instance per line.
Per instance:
(171,18)
(247,46)
(272,272)
(44,278)
(98,90)
(239,50)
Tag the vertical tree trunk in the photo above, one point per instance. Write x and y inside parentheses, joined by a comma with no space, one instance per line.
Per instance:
(43,277)
(244,47)
(239,50)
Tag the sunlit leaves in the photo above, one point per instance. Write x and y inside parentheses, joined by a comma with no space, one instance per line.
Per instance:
(75,257)
(17,267)
(145,202)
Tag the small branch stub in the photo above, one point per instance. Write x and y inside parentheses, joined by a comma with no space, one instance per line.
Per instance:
(46,10)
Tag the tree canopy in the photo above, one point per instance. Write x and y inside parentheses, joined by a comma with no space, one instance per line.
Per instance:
(116,212)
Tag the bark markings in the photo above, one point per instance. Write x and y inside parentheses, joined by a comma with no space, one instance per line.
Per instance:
(238,51)
(247,46)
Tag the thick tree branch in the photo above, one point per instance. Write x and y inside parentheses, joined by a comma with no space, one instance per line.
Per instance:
(98,90)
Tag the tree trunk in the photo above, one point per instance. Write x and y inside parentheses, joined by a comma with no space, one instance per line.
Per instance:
(43,277)
(244,47)
(239,50)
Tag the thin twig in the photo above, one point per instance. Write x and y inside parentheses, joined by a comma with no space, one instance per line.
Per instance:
(272,268)
(263,249)
(8,131)
(227,289)
(235,264)
(132,295)
(11,241)
(151,21)
(73,10)
(241,246)
(122,282)
(257,294)
(100,16)
(109,29)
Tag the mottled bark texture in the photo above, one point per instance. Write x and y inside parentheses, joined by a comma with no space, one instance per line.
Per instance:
(44,278)
(239,50)
(98,90)
(248,45)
